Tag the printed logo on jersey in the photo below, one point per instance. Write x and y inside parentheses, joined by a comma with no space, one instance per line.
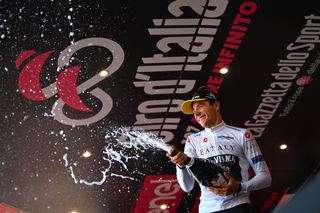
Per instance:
(226,137)
(223,147)
(230,163)
(247,135)
(188,140)
(212,149)
(205,140)
(206,149)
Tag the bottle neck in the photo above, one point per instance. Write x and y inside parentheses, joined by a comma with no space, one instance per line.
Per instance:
(187,161)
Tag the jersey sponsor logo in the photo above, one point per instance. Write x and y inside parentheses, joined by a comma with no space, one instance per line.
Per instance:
(247,135)
(211,149)
(206,150)
(205,140)
(222,147)
(230,163)
(226,137)
(224,159)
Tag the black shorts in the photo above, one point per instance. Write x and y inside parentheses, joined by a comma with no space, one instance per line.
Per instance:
(242,208)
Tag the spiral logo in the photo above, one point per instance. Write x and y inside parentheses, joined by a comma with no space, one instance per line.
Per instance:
(66,85)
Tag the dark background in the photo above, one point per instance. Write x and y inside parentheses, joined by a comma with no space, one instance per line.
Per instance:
(33,175)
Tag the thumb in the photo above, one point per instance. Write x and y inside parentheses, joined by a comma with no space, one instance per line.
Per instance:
(227,175)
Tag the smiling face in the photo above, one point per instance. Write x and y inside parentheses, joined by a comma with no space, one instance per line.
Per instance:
(206,114)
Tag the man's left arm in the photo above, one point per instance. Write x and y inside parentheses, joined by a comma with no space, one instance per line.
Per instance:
(262,177)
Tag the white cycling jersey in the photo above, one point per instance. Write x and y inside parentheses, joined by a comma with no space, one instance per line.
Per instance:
(235,150)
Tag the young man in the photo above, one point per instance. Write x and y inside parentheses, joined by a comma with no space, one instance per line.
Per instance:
(232,148)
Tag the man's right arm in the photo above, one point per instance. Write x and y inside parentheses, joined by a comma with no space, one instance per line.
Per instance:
(185,179)
(184,176)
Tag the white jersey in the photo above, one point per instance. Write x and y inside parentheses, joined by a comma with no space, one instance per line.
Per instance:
(235,150)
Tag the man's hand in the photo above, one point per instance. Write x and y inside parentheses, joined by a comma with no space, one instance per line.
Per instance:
(224,189)
(177,159)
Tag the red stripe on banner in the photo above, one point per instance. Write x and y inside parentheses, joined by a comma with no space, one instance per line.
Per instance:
(159,193)
(284,193)
(270,200)
(195,208)
(5,208)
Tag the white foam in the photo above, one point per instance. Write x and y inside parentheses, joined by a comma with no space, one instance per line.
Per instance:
(121,147)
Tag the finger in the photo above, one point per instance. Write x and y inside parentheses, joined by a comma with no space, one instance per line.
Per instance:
(214,182)
(223,193)
(218,191)
(173,151)
(218,183)
(227,175)
(213,189)
(182,157)
(178,159)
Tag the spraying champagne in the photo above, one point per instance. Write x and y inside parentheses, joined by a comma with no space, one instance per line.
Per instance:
(204,170)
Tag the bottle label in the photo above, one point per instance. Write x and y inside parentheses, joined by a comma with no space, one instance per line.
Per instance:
(230,163)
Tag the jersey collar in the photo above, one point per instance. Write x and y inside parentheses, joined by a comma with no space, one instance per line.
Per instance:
(216,128)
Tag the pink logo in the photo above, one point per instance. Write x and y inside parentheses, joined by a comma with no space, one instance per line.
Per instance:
(29,81)
(66,85)
(205,140)
(304,80)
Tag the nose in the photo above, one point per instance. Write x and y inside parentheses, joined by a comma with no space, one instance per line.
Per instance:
(196,112)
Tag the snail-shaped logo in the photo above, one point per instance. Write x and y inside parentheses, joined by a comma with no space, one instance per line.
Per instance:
(66,84)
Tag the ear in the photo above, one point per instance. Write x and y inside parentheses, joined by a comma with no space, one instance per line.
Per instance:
(216,106)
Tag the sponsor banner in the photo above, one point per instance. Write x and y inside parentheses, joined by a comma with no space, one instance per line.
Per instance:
(159,193)
(294,72)
(195,208)
(74,72)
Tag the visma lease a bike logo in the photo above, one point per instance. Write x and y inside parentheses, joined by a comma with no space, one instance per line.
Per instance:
(65,86)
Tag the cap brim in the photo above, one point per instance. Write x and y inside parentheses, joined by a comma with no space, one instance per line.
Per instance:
(186,107)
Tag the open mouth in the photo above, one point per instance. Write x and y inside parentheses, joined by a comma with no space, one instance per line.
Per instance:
(200,118)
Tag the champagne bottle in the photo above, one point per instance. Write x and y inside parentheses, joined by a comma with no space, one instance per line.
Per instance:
(204,170)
